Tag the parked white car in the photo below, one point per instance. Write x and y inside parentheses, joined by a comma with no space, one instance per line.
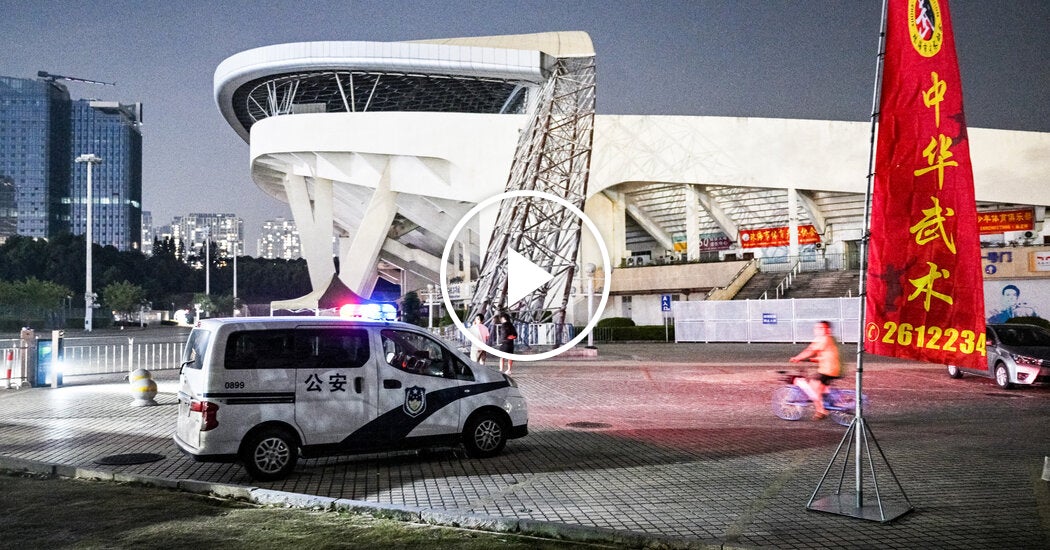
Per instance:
(1017,354)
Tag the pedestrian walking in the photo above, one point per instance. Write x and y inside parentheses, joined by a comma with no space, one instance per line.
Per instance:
(478,329)
(507,336)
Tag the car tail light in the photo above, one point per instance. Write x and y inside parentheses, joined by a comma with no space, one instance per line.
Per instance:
(209,413)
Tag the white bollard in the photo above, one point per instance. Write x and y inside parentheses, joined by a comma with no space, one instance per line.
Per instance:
(9,359)
(1046,468)
(143,388)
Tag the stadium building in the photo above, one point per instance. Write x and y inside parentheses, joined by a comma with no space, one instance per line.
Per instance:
(386,145)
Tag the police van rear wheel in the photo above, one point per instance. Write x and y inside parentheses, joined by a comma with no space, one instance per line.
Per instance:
(270,454)
(484,436)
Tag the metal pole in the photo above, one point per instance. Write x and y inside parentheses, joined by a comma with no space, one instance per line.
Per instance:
(430,306)
(875,98)
(590,269)
(207,262)
(89,297)
(235,247)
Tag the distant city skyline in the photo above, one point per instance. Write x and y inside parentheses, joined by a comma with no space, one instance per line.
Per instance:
(278,237)
(784,59)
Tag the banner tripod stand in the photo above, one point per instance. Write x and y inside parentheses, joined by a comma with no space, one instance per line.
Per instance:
(858,436)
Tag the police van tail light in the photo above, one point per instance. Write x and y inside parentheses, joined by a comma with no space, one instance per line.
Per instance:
(209,413)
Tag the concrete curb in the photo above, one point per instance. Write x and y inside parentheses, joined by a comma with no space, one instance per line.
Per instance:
(408,514)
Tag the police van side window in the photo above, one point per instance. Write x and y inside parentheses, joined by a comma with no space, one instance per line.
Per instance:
(260,349)
(297,348)
(419,354)
(333,348)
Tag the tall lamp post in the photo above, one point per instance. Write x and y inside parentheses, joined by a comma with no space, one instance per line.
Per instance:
(89,296)
(207,261)
(589,269)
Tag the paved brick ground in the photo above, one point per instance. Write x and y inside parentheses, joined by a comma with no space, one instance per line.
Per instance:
(664,439)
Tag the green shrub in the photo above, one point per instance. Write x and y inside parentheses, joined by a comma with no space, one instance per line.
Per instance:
(649,333)
(615,322)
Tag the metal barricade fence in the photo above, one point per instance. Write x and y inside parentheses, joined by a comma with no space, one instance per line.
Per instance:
(82,356)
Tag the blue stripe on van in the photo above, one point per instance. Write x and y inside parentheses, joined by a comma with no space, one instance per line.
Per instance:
(396,424)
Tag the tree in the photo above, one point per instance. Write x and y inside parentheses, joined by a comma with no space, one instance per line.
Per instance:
(32,302)
(207,305)
(123,297)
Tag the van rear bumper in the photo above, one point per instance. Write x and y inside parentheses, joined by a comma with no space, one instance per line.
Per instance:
(189,451)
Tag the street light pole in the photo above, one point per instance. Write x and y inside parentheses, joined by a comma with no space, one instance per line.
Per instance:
(207,261)
(590,269)
(236,246)
(89,296)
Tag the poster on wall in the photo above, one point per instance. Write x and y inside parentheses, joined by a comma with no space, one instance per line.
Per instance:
(1005,299)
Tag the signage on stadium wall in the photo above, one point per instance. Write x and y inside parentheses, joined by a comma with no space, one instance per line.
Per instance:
(1006,220)
(679,242)
(777,236)
(710,242)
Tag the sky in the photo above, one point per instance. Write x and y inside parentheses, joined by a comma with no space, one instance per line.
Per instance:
(811,59)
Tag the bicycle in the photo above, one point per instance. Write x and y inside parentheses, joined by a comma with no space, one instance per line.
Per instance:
(791,403)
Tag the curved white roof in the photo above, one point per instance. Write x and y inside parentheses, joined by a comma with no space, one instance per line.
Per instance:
(519,58)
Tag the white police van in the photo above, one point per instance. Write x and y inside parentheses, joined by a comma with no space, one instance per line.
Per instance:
(267,390)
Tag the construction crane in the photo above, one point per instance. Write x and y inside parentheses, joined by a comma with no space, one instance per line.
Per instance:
(53,77)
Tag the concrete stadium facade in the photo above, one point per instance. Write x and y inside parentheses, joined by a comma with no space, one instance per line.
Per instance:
(383,147)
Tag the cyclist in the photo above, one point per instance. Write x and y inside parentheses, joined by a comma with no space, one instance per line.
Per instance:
(825,352)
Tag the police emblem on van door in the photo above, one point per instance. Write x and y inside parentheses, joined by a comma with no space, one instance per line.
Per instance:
(415,400)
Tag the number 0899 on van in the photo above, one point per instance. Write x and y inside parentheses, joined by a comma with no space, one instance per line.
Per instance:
(264,391)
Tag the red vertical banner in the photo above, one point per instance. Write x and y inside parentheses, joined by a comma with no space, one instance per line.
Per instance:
(925,297)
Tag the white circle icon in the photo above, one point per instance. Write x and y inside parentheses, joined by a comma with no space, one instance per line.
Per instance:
(524,276)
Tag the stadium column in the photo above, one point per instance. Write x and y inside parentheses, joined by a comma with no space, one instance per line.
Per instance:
(358,263)
(692,222)
(313,218)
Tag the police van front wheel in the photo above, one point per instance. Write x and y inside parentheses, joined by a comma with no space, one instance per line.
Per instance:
(270,454)
(485,435)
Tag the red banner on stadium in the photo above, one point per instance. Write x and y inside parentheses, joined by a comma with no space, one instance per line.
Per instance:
(777,236)
(925,297)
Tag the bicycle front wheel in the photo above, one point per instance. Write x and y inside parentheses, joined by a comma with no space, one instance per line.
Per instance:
(789,403)
(844,407)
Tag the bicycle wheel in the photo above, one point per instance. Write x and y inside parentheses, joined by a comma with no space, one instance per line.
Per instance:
(789,403)
(843,407)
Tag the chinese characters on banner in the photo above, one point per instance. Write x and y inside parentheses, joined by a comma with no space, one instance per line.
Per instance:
(777,236)
(925,297)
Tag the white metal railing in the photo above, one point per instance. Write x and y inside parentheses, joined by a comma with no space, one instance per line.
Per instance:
(785,283)
(789,320)
(105,358)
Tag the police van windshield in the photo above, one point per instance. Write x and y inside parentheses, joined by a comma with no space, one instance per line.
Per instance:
(193,353)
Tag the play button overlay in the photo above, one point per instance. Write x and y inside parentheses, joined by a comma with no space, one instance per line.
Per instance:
(524,277)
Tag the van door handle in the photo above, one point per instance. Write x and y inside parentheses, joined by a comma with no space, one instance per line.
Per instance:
(391,384)
(357,384)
